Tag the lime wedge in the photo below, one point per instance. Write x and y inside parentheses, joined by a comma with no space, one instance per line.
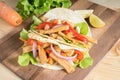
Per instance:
(84,13)
(95,21)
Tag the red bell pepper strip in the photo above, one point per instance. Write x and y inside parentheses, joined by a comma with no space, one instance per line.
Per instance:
(75,34)
(40,43)
(43,24)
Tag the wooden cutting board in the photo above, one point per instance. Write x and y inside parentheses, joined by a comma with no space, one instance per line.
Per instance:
(10,45)
(112,4)
(109,67)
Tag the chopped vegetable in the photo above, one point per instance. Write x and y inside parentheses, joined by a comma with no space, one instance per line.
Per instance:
(23,59)
(67,40)
(32,59)
(86,62)
(9,15)
(34,50)
(43,24)
(76,34)
(27,8)
(29,42)
(26,58)
(24,34)
(82,28)
(80,55)
(36,22)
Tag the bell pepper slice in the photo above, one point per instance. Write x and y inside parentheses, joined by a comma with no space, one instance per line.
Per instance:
(75,33)
(43,24)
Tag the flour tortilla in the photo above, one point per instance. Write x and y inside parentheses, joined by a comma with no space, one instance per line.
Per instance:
(62,14)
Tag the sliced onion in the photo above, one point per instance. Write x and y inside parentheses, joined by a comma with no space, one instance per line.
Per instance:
(34,49)
(62,57)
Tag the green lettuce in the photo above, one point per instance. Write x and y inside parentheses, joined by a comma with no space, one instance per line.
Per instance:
(67,40)
(86,62)
(24,34)
(37,21)
(26,58)
(82,28)
(27,8)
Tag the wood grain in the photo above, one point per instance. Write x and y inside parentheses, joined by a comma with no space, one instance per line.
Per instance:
(80,4)
(109,17)
(109,67)
(112,4)
(98,9)
(10,46)
(11,42)
(108,39)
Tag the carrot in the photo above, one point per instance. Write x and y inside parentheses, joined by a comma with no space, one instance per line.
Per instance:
(9,15)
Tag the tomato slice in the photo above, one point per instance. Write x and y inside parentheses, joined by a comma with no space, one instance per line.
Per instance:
(29,42)
(80,55)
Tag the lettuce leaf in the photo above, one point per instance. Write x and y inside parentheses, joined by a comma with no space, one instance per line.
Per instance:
(32,59)
(86,62)
(25,58)
(67,40)
(27,8)
(82,28)
(66,3)
(24,34)
(37,21)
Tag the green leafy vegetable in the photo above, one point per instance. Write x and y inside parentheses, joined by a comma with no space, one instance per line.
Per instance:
(26,58)
(86,62)
(37,21)
(82,28)
(24,34)
(23,59)
(86,55)
(27,8)
(80,45)
(32,59)
(67,40)
(66,3)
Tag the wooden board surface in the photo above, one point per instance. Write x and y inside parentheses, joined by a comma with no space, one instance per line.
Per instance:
(112,4)
(5,71)
(109,67)
(10,45)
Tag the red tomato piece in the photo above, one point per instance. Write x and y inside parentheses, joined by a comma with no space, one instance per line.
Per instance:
(80,55)
(29,41)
